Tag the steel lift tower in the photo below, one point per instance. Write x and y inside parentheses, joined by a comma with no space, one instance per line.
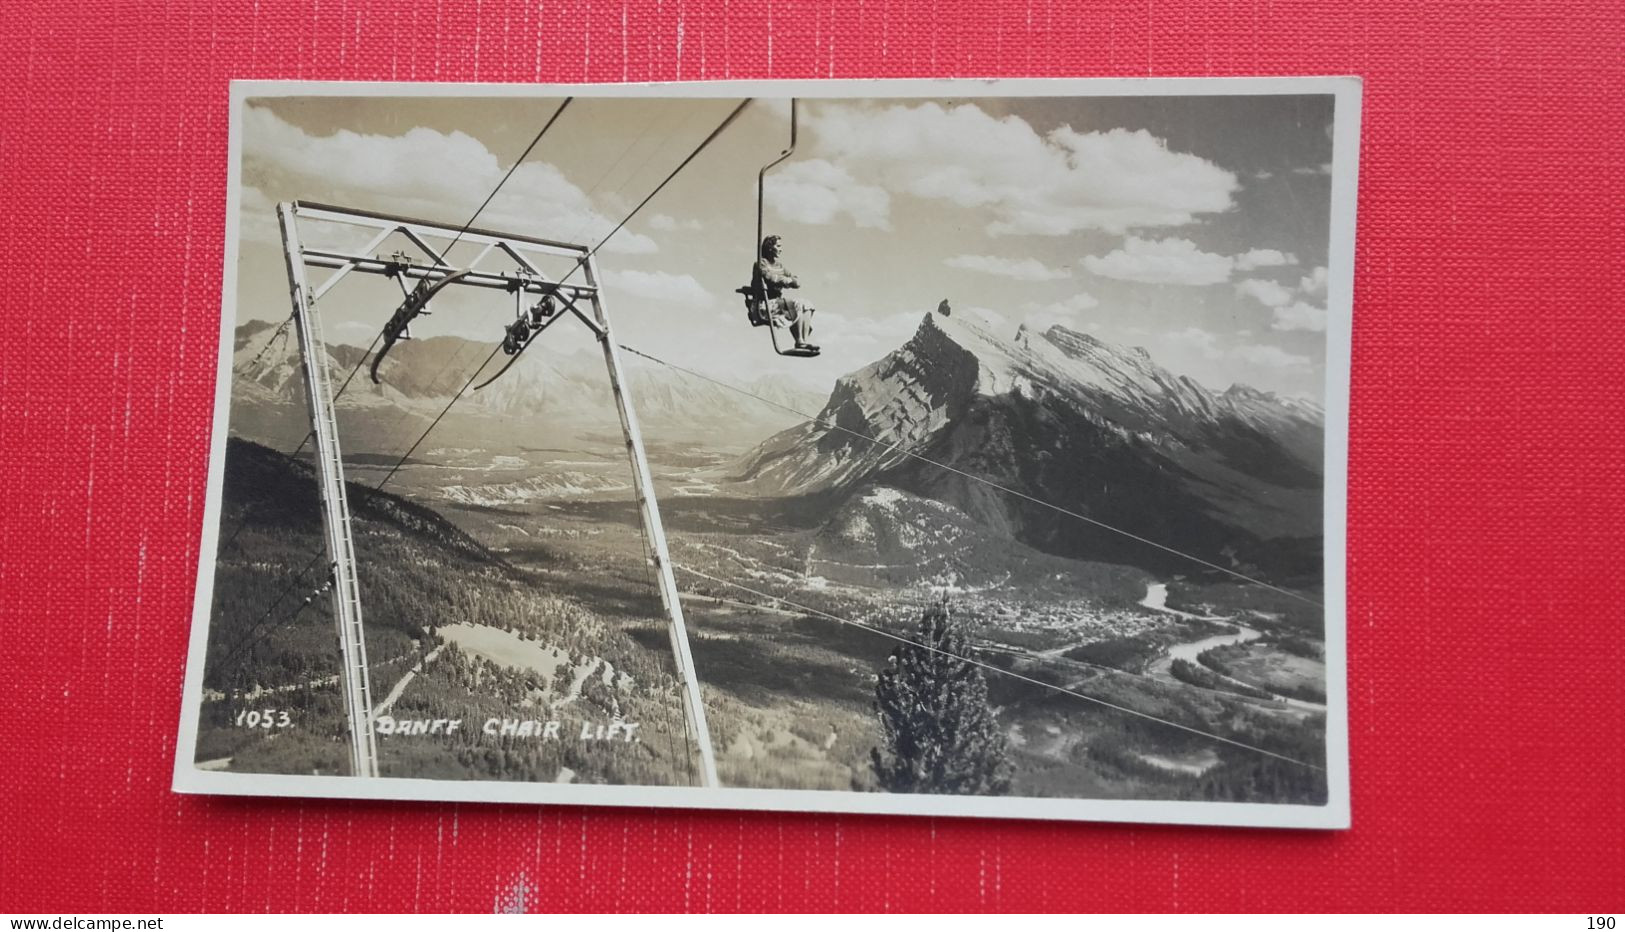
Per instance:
(554,300)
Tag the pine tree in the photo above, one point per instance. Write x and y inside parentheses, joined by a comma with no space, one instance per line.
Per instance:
(938,730)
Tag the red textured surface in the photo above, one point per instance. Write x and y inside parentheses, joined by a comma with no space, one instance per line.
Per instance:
(1488,452)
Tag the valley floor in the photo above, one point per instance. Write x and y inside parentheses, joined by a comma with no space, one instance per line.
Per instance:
(563,625)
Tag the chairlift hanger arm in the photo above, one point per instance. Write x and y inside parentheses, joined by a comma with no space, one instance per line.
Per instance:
(757,291)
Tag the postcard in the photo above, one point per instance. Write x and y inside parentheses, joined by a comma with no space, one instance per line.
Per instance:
(966,448)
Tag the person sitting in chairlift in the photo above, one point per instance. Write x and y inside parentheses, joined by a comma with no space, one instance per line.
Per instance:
(770,279)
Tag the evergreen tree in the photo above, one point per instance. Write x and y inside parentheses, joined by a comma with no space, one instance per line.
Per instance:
(939,733)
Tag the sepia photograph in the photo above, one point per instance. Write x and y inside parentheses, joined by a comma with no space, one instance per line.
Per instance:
(918,447)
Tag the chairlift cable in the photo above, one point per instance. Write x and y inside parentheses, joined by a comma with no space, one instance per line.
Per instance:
(586,256)
(276,335)
(727,121)
(437,418)
(248,638)
(615,194)
(417,301)
(688,743)
(511,169)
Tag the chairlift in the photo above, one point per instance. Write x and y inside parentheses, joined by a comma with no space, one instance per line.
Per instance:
(760,310)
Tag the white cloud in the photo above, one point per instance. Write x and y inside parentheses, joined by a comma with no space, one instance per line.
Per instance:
(1066,312)
(260,225)
(1266,356)
(426,173)
(1027,270)
(1291,310)
(1314,284)
(258,222)
(667,223)
(1054,184)
(1264,291)
(1197,339)
(854,330)
(1170,261)
(816,191)
(1263,258)
(1256,355)
(1300,316)
(661,287)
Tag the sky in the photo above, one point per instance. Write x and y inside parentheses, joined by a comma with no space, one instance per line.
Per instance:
(1196,227)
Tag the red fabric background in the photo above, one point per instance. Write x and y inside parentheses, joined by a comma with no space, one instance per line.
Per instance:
(1488,449)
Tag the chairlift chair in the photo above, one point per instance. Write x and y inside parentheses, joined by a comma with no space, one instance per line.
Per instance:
(757,306)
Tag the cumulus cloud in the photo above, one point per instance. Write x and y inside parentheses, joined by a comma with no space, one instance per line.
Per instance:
(661,287)
(1027,270)
(1053,184)
(1170,261)
(1300,316)
(1263,258)
(1302,308)
(1264,291)
(426,173)
(816,191)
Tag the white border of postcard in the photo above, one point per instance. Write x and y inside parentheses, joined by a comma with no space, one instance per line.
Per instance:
(1340,293)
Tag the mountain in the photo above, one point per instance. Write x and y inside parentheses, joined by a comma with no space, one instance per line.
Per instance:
(279,496)
(1067,419)
(419,376)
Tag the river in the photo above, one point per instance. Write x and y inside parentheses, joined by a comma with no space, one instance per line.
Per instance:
(1156,598)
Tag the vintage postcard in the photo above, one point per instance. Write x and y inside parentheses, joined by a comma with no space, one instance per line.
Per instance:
(952,448)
